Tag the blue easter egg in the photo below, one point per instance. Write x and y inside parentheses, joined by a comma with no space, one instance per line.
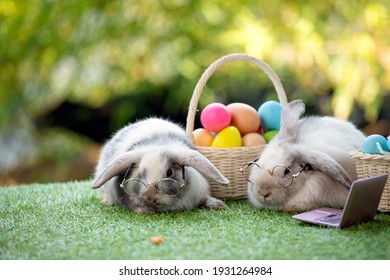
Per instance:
(369,144)
(270,112)
(388,142)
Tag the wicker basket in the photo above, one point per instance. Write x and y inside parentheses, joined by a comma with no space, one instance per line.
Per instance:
(369,165)
(229,160)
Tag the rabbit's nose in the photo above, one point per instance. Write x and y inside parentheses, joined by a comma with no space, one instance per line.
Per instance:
(265,192)
(150,197)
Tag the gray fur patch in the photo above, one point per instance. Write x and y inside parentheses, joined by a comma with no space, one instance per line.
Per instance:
(161,139)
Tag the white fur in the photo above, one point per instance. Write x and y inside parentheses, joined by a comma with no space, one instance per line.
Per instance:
(317,138)
(332,136)
(151,145)
(126,137)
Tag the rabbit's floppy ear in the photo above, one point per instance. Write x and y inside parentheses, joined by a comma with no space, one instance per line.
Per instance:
(320,161)
(116,167)
(200,163)
(289,121)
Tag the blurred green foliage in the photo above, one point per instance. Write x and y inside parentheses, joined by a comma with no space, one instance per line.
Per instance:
(93,51)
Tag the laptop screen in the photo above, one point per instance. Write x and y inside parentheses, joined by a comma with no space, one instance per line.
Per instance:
(363,200)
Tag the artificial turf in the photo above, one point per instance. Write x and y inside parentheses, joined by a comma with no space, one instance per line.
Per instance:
(67,221)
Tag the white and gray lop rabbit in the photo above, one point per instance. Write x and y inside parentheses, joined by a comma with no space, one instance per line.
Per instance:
(150,166)
(306,165)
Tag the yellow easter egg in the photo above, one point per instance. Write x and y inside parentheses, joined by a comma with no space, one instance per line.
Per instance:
(203,137)
(229,137)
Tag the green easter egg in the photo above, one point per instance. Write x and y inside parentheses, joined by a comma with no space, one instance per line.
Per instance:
(269,135)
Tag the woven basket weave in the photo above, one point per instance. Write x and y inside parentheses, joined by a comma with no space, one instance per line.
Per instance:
(369,165)
(229,160)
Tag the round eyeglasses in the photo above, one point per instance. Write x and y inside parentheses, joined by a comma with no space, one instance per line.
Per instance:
(167,186)
(282,173)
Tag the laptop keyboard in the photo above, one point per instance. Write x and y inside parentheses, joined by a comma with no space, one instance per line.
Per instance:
(332,219)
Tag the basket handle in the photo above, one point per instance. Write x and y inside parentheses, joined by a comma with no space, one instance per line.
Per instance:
(212,68)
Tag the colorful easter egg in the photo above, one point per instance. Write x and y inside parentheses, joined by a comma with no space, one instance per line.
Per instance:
(369,145)
(229,137)
(270,113)
(388,142)
(252,139)
(203,137)
(269,135)
(244,117)
(215,117)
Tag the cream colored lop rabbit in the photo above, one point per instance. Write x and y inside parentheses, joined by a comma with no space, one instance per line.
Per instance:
(151,166)
(306,165)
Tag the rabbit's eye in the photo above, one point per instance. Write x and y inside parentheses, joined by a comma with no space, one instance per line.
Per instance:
(309,167)
(286,171)
(169,172)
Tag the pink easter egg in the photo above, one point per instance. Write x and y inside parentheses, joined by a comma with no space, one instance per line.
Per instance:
(215,117)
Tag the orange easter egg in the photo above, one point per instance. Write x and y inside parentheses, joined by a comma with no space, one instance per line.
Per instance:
(253,139)
(203,137)
(244,117)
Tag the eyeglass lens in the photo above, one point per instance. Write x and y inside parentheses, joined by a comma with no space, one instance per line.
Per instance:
(167,186)
(281,173)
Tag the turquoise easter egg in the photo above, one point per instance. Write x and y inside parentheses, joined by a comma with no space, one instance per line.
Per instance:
(388,142)
(369,145)
(228,137)
(270,112)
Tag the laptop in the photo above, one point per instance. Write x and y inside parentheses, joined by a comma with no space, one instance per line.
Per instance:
(361,205)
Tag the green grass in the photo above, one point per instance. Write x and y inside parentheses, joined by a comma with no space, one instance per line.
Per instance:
(67,221)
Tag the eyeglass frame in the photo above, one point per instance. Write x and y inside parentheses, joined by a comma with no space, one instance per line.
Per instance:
(271,172)
(155,185)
